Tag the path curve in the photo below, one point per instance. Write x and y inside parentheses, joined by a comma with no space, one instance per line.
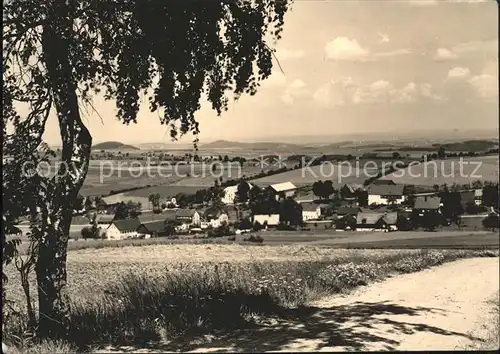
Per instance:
(437,309)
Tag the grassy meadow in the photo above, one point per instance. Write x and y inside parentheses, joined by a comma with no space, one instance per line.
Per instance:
(164,293)
(449,171)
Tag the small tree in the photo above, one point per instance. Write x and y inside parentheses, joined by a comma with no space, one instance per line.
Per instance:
(491,222)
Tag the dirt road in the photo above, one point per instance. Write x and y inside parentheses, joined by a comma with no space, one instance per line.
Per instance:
(439,308)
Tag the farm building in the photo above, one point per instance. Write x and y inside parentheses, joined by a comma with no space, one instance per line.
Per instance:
(381,194)
(284,190)
(123,229)
(233,213)
(269,220)
(376,221)
(153,229)
(188,216)
(230,193)
(426,204)
(472,222)
(348,210)
(347,222)
(383,182)
(310,211)
(349,190)
(216,217)
(105,219)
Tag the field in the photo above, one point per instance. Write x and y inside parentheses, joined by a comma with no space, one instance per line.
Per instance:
(449,171)
(338,173)
(167,292)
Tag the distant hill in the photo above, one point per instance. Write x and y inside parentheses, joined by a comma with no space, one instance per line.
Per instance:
(224,144)
(470,145)
(113,145)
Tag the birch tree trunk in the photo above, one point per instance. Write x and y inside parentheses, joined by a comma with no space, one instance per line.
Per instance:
(62,190)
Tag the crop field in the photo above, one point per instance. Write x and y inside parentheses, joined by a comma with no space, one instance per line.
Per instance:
(449,171)
(338,173)
(168,292)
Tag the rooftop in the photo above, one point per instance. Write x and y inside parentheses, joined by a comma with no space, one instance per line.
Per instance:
(427,202)
(127,225)
(282,187)
(395,190)
(368,218)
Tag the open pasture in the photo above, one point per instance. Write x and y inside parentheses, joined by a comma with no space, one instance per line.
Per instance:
(449,171)
(356,171)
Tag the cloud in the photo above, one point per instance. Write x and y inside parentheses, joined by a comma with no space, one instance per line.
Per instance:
(458,73)
(344,92)
(485,45)
(277,79)
(297,84)
(485,85)
(284,54)
(293,90)
(392,53)
(443,55)
(383,38)
(345,49)
(334,93)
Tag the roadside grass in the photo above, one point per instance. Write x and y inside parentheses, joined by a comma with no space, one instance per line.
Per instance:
(189,299)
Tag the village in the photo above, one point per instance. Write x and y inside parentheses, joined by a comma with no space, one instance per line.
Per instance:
(382,206)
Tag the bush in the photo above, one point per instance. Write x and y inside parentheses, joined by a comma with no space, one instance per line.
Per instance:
(220,232)
(252,238)
(285,227)
(231,238)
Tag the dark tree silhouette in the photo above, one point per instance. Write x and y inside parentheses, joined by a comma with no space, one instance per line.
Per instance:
(59,54)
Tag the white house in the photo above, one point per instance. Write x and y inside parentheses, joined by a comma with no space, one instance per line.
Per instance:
(310,211)
(270,220)
(384,194)
(189,217)
(122,229)
(221,219)
(478,196)
(230,193)
(287,189)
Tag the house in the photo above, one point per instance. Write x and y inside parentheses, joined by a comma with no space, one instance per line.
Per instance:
(383,194)
(310,211)
(478,196)
(105,219)
(215,218)
(349,191)
(153,229)
(188,217)
(371,221)
(391,220)
(347,222)
(284,190)
(231,192)
(265,219)
(348,210)
(123,229)
(233,214)
(426,204)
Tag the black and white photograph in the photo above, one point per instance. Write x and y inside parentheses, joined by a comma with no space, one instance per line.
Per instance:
(250,176)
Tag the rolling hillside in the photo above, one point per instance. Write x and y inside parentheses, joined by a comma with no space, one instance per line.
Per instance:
(113,145)
(224,144)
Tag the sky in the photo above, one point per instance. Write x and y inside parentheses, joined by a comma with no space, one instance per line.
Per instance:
(353,67)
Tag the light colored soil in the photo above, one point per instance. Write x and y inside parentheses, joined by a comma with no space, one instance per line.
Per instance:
(437,309)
